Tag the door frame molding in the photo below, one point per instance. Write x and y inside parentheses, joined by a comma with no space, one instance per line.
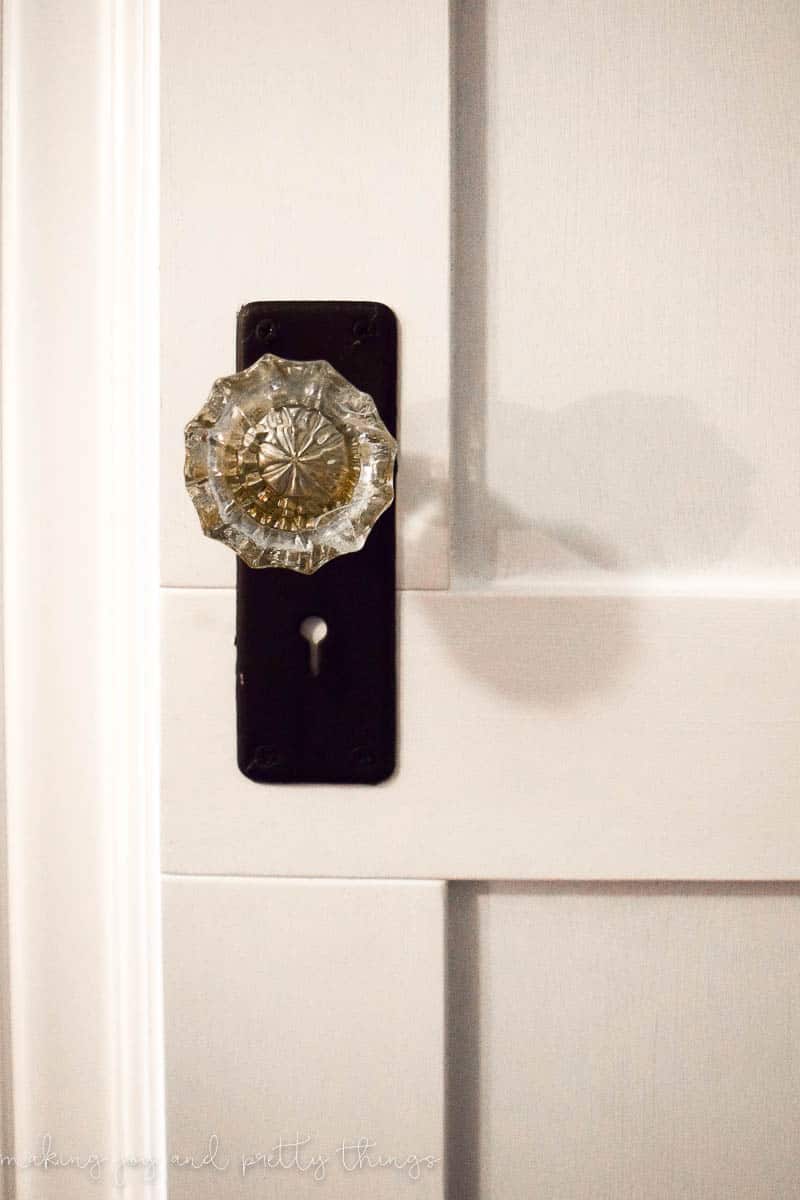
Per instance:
(80,385)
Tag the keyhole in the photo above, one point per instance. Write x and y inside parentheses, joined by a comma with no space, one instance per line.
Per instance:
(314,630)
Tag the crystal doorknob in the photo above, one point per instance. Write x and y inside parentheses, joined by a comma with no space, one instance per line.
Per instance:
(289,464)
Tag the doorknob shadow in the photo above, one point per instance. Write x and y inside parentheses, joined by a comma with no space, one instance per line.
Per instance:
(618,482)
(548,651)
(603,486)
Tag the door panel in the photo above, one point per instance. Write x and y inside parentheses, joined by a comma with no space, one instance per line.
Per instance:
(627,272)
(627,1041)
(311,1008)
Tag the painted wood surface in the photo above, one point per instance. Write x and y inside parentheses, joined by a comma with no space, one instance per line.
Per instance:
(307,1007)
(540,737)
(627,1041)
(306,158)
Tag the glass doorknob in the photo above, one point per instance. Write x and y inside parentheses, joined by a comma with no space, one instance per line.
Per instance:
(289,464)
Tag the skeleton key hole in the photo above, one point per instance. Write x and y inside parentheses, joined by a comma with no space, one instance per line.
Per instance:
(314,630)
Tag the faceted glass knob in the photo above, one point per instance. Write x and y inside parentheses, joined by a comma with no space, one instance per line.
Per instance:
(289,464)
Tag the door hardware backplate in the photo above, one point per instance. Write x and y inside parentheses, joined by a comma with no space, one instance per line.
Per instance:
(335,723)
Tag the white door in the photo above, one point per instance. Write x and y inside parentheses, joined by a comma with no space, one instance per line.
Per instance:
(556,955)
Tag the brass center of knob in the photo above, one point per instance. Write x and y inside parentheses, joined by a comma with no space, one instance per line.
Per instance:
(290,467)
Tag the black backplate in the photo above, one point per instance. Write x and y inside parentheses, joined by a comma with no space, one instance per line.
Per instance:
(340,726)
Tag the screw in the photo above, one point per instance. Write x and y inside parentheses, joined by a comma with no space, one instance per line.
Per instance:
(362,756)
(364,327)
(267,757)
(266,330)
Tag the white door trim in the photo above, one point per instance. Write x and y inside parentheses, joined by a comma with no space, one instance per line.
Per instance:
(80,622)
